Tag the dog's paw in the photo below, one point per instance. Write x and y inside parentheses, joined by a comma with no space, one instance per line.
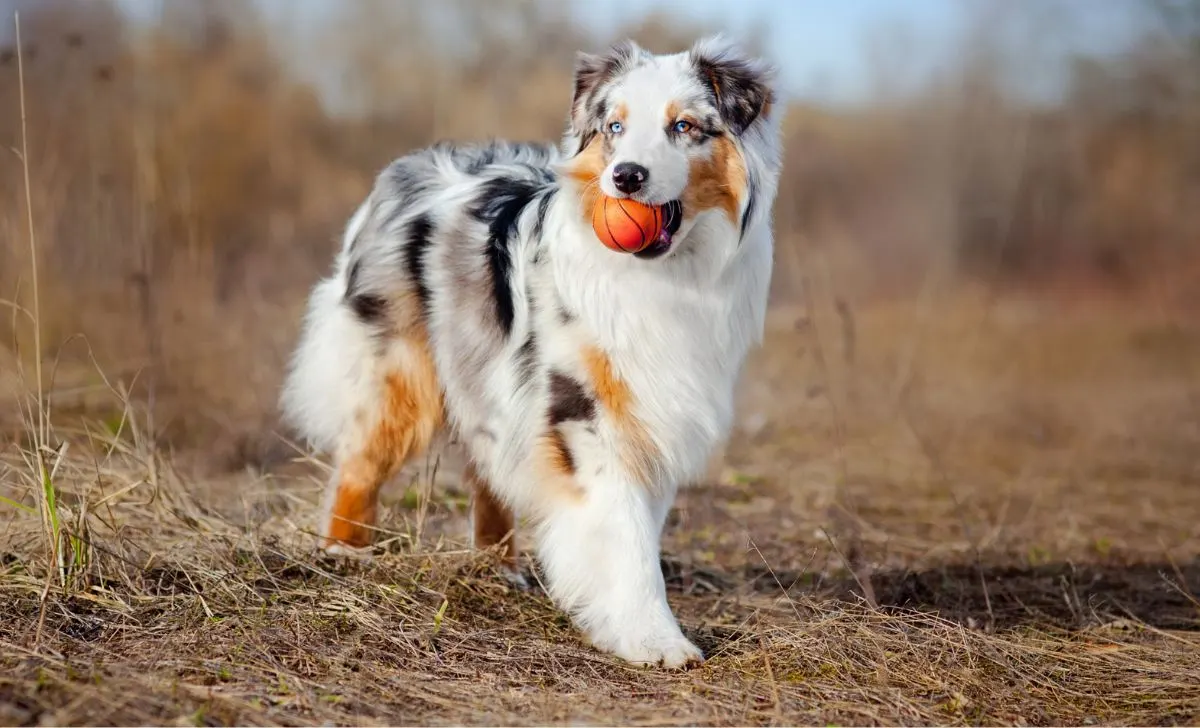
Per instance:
(668,649)
(339,549)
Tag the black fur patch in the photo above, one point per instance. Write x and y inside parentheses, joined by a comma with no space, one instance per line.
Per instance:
(751,193)
(674,215)
(420,232)
(500,206)
(542,209)
(368,307)
(568,400)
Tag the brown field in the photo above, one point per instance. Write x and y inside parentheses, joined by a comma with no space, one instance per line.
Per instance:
(1013,545)
(964,487)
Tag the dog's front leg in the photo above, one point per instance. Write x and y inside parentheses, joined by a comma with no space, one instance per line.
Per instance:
(600,555)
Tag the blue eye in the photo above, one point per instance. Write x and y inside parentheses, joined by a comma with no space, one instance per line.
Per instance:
(682,127)
(616,127)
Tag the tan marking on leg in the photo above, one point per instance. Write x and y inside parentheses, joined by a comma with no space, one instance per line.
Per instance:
(639,451)
(352,513)
(410,413)
(718,182)
(492,520)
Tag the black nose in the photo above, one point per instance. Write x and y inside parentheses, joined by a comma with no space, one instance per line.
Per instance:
(629,177)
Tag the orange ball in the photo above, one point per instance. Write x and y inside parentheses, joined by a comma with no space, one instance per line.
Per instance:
(625,225)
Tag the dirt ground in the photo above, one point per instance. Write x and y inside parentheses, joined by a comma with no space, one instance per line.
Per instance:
(946,511)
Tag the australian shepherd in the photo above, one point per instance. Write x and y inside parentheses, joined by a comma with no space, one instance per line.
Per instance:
(471,293)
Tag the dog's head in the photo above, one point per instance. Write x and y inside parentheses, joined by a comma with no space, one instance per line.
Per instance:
(669,129)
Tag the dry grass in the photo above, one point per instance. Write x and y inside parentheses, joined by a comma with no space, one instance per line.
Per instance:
(1038,568)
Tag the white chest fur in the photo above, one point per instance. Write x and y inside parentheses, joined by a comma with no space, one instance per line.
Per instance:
(676,331)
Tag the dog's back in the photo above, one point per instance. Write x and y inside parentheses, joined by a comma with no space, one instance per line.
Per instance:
(398,250)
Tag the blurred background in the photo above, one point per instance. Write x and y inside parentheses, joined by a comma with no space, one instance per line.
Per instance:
(987,215)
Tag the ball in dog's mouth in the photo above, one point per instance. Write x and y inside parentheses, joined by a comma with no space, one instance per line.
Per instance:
(662,244)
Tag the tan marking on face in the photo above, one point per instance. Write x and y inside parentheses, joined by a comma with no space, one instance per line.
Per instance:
(674,109)
(410,413)
(492,520)
(718,182)
(614,396)
(620,113)
(586,169)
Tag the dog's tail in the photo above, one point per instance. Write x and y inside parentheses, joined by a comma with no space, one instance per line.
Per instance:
(333,367)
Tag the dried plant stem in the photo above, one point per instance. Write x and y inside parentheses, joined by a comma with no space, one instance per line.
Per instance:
(42,435)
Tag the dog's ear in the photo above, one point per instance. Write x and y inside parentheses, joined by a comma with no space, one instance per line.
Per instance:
(741,85)
(591,72)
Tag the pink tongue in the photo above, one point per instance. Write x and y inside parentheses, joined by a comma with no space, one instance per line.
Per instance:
(664,237)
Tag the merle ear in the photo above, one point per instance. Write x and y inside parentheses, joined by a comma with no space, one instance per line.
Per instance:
(590,69)
(591,72)
(741,85)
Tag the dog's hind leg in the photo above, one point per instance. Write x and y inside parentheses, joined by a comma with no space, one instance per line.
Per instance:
(362,384)
(395,424)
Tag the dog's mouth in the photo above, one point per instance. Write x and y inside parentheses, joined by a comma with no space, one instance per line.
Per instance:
(666,238)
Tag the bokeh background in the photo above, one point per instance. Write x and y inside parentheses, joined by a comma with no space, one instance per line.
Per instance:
(969,165)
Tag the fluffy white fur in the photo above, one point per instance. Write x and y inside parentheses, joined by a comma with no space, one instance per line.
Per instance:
(475,231)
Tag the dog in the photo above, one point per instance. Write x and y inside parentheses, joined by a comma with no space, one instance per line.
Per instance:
(472,296)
